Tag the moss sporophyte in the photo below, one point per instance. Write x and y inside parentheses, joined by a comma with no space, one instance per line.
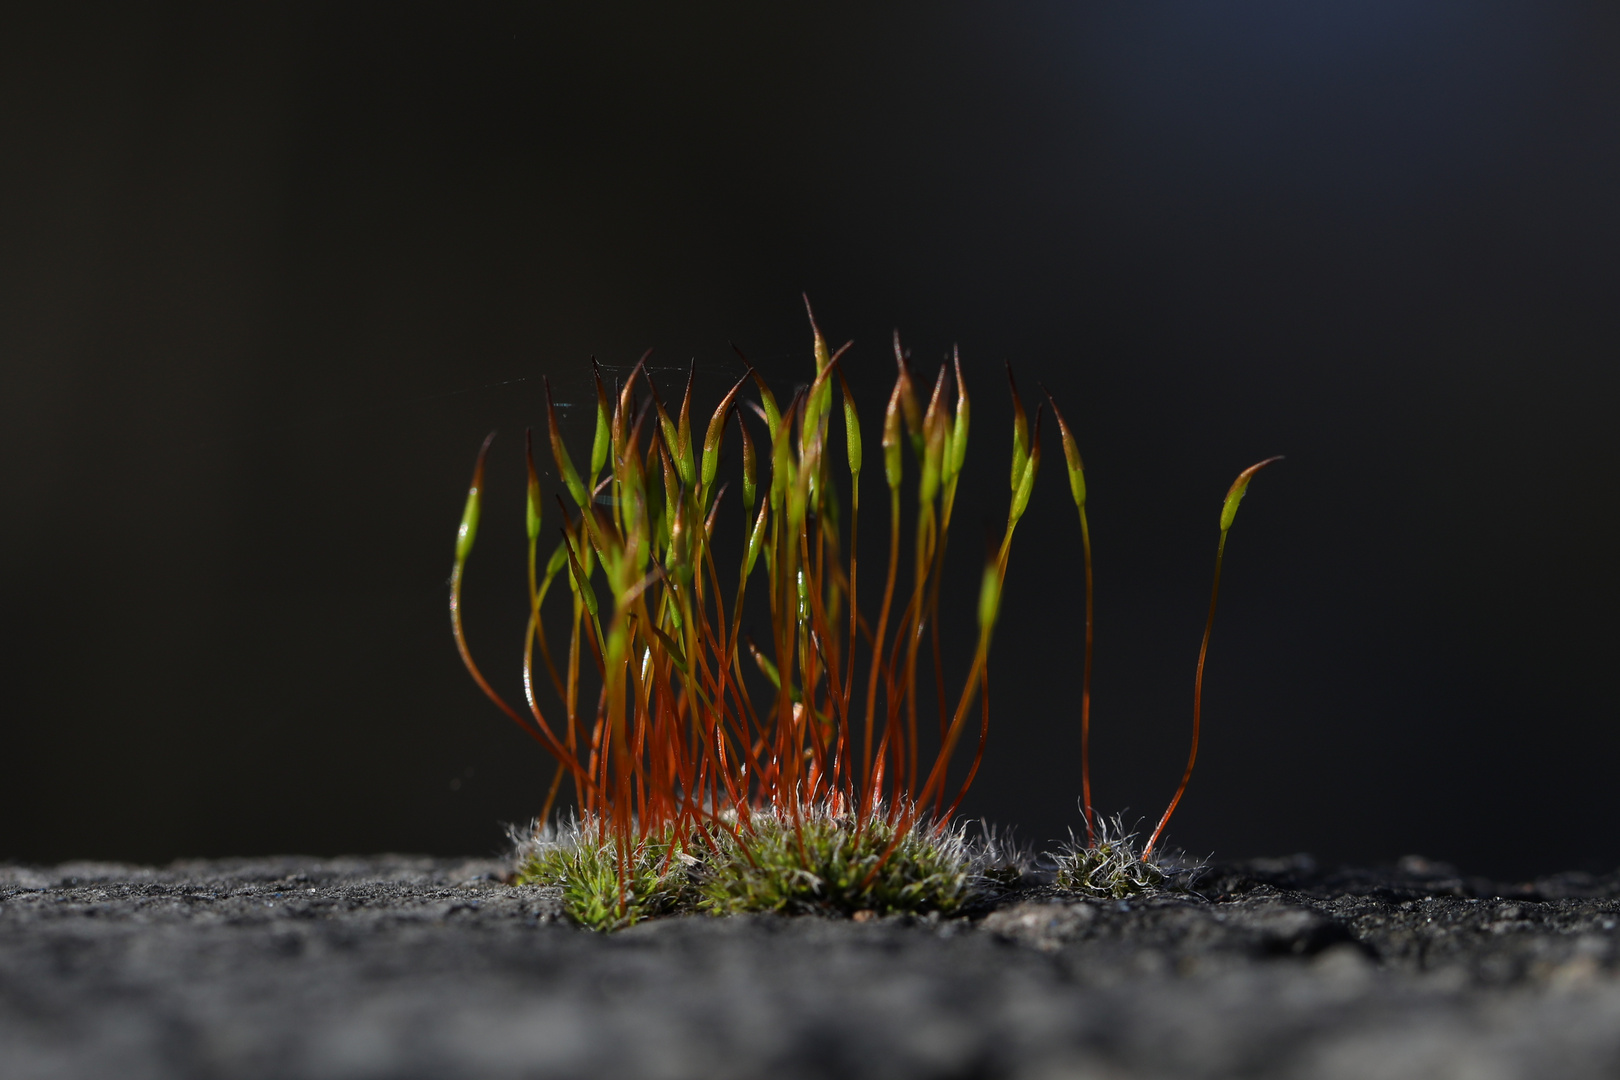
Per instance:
(810,783)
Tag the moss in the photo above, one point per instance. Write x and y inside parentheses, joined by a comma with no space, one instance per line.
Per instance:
(657,881)
(819,866)
(1113,867)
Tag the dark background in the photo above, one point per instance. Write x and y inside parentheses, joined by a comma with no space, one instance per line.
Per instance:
(266,279)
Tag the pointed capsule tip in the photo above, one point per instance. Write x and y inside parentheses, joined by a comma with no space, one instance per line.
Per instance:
(1240,486)
(468,530)
(483,452)
(1071,452)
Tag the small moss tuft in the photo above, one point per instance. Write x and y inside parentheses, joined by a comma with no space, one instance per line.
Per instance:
(1114,868)
(821,866)
(657,881)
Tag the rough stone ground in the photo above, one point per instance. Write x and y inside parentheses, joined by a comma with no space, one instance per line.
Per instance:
(411,967)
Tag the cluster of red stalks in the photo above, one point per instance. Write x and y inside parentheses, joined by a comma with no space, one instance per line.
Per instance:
(675,744)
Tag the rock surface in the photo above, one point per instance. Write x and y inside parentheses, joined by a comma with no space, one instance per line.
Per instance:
(410,967)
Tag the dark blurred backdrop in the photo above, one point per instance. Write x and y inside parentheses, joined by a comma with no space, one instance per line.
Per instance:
(269,274)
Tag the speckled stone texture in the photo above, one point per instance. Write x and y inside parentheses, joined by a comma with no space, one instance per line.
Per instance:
(405,967)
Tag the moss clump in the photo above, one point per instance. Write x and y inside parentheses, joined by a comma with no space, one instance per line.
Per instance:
(821,866)
(1113,867)
(658,879)
(818,866)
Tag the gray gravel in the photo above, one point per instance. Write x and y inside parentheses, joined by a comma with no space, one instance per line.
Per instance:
(410,967)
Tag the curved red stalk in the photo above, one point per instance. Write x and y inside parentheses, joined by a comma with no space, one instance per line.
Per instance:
(1233,497)
(1198,701)
(1085,692)
(536,729)
(978,754)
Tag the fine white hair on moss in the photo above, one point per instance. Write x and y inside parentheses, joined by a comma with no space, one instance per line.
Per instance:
(1112,866)
(537,835)
(815,862)
(999,858)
